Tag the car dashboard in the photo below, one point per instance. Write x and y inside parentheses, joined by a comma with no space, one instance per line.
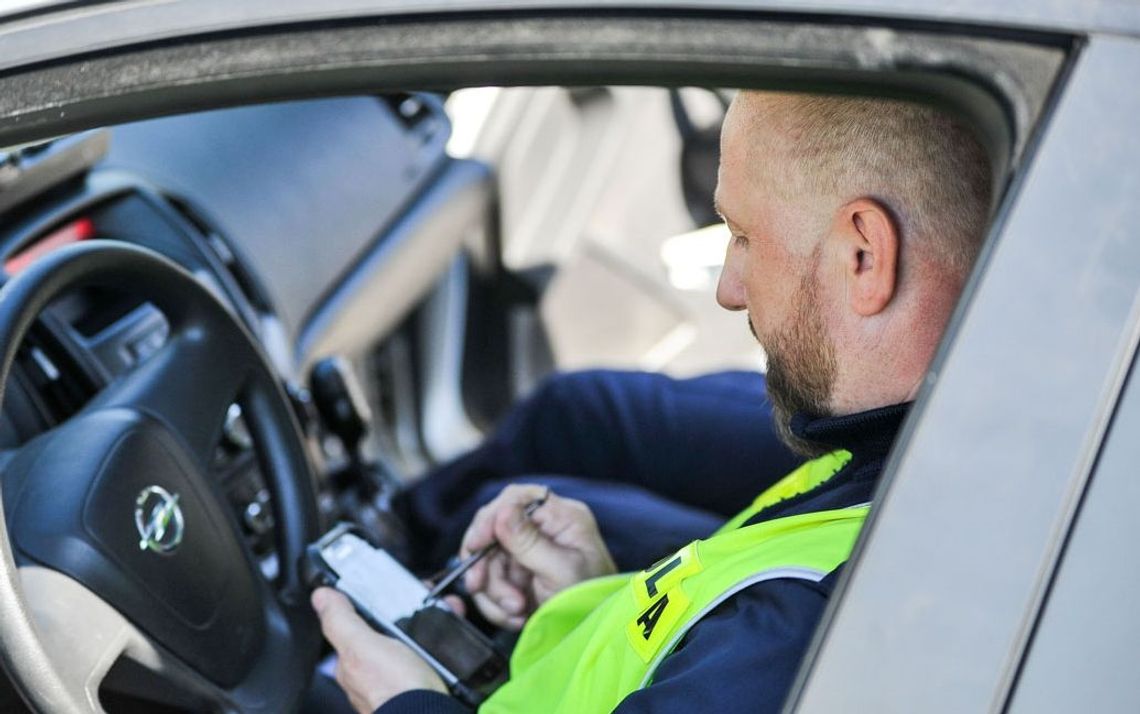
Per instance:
(268,206)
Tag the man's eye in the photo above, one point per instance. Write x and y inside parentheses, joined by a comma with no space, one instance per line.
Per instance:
(740,241)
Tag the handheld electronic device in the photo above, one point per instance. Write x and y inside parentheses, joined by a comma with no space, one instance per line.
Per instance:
(395,602)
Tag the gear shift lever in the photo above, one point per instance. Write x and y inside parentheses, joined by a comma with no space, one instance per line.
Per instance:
(368,487)
(341,403)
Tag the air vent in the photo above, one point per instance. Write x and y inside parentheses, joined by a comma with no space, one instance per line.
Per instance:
(58,384)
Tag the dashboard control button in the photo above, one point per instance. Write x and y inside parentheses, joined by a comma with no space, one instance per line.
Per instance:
(235,430)
(257,515)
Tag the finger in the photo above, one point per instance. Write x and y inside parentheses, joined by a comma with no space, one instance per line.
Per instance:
(564,520)
(475,579)
(479,533)
(339,621)
(490,609)
(495,614)
(476,576)
(453,602)
(523,581)
(515,497)
(518,576)
(523,539)
(456,604)
(499,588)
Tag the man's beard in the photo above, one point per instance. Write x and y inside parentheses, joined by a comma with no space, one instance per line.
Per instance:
(801,368)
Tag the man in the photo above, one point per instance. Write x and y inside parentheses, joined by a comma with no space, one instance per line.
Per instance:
(854,225)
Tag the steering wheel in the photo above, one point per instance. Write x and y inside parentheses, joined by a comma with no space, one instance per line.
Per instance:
(117,545)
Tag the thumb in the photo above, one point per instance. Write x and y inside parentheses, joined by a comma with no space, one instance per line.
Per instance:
(522,539)
(339,621)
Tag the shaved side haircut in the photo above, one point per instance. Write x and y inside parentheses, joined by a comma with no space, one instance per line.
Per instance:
(926,167)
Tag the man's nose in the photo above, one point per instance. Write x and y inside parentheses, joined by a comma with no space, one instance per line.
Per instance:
(730,288)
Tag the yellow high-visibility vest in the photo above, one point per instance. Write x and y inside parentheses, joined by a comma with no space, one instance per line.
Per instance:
(595,643)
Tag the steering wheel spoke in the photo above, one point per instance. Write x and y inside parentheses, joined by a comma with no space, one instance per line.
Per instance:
(88,640)
(81,633)
(188,385)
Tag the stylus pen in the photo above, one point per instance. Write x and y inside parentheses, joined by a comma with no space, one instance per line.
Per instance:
(464,565)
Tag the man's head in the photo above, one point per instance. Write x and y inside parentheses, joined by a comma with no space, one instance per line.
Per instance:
(855,223)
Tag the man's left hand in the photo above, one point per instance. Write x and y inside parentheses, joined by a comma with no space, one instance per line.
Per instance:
(371,668)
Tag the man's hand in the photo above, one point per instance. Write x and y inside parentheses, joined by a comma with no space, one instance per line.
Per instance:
(371,668)
(557,546)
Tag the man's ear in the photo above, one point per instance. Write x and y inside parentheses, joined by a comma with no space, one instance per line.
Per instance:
(870,245)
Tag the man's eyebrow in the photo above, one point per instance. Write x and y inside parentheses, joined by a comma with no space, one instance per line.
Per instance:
(720,212)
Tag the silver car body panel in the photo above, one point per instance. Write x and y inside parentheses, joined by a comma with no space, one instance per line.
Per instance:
(966,533)
(41,32)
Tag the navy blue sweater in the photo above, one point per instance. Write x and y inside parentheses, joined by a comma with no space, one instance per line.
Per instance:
(749,648)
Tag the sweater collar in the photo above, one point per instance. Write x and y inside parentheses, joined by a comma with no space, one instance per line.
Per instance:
(867,435)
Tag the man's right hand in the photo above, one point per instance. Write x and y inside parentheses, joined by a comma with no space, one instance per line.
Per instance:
(557,546)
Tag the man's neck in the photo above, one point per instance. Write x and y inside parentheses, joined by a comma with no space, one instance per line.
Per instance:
(886,358)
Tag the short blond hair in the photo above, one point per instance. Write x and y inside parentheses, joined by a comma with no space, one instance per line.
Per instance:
(926,166)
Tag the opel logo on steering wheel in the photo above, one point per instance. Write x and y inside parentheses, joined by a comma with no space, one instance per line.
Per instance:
(158,519)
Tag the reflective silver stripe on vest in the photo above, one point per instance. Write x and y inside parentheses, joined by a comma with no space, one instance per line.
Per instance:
(775,574)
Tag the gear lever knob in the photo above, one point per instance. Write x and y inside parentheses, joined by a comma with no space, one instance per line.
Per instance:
(340,401)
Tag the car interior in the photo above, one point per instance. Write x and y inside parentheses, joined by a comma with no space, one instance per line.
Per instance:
(405,264)
(411,264)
